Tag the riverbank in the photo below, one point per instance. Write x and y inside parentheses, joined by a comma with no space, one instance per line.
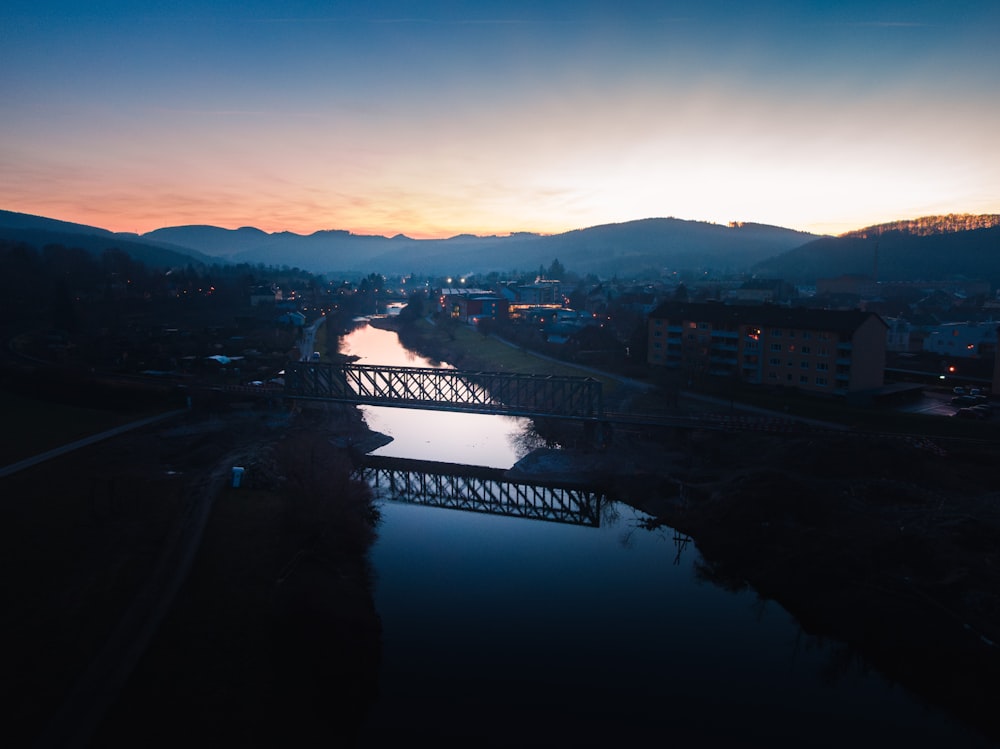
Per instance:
(275,615)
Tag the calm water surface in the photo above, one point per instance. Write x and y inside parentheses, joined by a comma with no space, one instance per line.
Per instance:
(503,632)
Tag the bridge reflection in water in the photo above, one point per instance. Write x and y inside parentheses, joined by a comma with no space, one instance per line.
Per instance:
(479,489)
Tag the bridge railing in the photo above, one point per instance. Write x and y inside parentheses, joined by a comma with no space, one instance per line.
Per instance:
(447,389)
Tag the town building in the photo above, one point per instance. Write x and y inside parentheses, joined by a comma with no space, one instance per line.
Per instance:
(265,293)
(833,352)
(899,334)
(471,305)
(963,340)
(542,294)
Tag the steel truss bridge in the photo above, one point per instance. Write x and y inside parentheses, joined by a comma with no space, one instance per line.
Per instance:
(469,391)
(477,489)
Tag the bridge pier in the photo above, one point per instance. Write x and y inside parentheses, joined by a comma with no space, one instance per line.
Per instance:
(598,433)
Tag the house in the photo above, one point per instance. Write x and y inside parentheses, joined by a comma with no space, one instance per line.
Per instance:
(832,352)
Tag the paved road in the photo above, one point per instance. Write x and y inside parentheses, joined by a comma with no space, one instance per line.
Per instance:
(28,462)
(307,344)
(932,404)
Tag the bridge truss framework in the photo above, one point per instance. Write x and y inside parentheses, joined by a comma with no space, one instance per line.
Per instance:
(470,391)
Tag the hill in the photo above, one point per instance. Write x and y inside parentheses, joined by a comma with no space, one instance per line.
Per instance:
(905,251)
(929,225)
(40,232)
(651,244)
(320,252)
(933,247)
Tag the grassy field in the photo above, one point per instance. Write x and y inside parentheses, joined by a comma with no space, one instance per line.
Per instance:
(467,348)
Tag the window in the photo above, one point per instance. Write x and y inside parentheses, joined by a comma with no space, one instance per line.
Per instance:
(821,381)
(774,362)
(803,379)
(806,350)
(776,332)
(804,365)
(822,366)
(775,347)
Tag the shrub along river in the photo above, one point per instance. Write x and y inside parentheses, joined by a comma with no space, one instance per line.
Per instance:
(509,632)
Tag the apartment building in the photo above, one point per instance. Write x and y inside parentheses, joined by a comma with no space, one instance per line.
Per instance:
(833,352)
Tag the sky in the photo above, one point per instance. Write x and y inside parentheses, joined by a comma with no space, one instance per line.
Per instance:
(437,118)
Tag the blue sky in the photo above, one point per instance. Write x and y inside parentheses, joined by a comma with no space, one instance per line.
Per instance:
(433,119)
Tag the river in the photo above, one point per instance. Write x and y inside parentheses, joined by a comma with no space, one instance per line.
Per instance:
(505,632)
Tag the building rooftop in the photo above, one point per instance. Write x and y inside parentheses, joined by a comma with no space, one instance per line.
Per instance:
(802,318)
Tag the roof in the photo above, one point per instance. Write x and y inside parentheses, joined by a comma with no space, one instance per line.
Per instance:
(800,318)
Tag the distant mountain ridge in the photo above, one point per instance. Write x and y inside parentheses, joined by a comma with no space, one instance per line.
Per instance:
(931,247)
(634,246)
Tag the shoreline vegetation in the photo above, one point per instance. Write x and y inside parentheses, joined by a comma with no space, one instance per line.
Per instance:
(884,546)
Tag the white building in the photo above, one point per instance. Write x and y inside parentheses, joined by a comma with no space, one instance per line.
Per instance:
(962,339)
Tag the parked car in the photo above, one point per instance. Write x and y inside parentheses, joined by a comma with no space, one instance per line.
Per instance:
(964,400)
(969,413)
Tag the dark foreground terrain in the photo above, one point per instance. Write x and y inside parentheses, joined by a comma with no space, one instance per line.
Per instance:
(889,546)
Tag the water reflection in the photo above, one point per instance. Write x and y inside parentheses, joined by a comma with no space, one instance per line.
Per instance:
(377,346)
(474,439)
(478,489)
